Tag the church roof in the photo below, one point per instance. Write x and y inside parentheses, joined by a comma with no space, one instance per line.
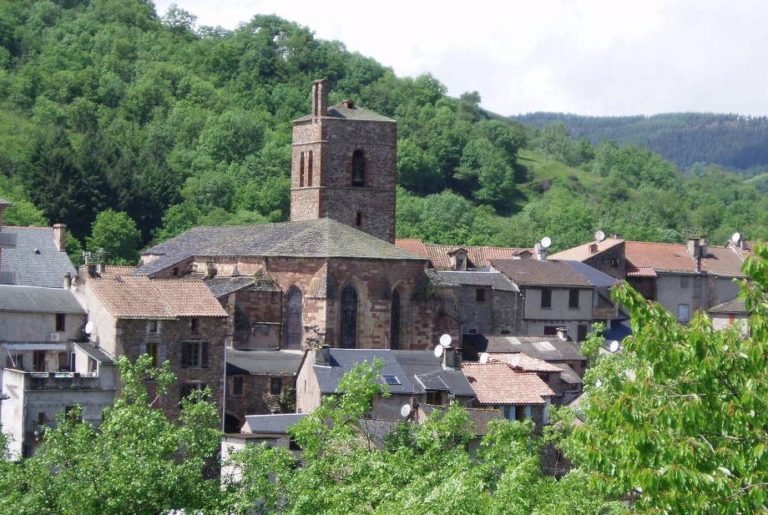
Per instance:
(346,112)
(320,238)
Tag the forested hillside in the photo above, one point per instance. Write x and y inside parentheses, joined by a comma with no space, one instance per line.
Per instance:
(129,128)
(728,140)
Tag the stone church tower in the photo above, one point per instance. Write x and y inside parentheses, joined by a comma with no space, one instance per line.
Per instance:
(343,166)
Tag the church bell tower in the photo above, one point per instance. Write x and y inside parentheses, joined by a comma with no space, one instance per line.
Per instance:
(343,166)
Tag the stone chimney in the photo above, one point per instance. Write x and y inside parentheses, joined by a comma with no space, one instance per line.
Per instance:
(320,98)
(703,247)
(60,237)
(451,358)
(67,281)
(593,248)
(539,252)
(562,333)
(694,249)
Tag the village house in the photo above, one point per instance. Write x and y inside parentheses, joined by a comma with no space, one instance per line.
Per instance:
(730,313)
(561,378)
(684,278)
(179,321)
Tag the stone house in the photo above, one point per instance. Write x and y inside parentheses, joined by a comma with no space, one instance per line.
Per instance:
(179,321)
(559,294)
(561,378)
(516,394)
(730,313)
(684,278)
(415,378)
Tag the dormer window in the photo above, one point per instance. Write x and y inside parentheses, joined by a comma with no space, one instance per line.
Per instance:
(358,168)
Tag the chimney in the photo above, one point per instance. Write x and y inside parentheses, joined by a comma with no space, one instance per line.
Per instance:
(323,356)
(451,358)
(67,281)
(593,248)
(320,98)
(101,268)
(694,250)
(703,247)
(539,252)
(60,237)
(562,333)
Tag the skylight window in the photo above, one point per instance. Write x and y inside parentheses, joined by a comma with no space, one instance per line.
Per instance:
(391,380)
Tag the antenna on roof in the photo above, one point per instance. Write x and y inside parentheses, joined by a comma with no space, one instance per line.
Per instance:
(599,236)
(405,411)
(546,242)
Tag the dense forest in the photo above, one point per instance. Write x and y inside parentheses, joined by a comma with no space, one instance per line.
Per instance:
(729,140)
(132,127)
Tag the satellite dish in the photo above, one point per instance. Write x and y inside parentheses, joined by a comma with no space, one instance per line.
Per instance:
(613,346)
(438,351)
(445,340)
(89,328)
(736,237)
(599,236)
(546,242)
(405,411)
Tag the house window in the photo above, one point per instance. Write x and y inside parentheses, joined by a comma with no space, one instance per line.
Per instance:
(38,361)
(359,219)
(683,281)
(546,298)
(348,318)
(573,298)
(683,312)
(276,385)
(581,332)
(175,270)
(293,329)
(461,263)
(40,418)
(237,385)
(61,322)
(614,262)
(194,324)
(516,412)
(480,295)
(435,397)
(153,326)
(152,351)
(395,317)
(188,388)
(550,330)
(301,170)
(194,355)
(358,168)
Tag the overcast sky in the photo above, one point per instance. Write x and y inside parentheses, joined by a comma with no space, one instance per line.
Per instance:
(597,57)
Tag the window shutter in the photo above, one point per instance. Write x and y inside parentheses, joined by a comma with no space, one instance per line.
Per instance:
(204,355)
(162,353)
(185,348)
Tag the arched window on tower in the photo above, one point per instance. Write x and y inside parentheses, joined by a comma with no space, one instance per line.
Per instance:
(301,170)
(358,168)
(348,318)
(293,330)
(395,318)
(309,169)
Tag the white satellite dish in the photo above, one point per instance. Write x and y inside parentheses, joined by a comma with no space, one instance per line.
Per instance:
(89,328)
(613,346)
(445,340)
(405,411)
(599,236)
(736,237)
(438,351)
(546,242)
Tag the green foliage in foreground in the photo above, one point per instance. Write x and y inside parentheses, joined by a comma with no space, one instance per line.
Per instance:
(681,419)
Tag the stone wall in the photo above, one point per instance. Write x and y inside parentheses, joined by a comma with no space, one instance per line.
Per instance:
(257,398)
(611,261)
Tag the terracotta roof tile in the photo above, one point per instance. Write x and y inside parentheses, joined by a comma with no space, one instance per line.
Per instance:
(674,257)
(130,296)
(479,257)
(498,383)
(585,251)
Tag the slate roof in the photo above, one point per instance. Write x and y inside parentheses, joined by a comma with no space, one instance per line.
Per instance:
(96,353)
(540,347)
(272,424)
(520,361)
(568,374)
(562,274)
(127,296)
(320,238)
(263,362)
(478,256)
(416,371)
(221,286)
(344,112)
(498,383)
(495,280)
(32,259)
(735,306)
(34,299)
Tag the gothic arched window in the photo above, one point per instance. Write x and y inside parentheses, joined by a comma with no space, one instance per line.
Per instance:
(358,168)
(293,330)
(301,170)
(348,318)
(395,318)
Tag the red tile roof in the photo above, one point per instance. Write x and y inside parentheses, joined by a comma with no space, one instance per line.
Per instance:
(674,257)
(498,383)
(585,251)
(130,296)
(479,257)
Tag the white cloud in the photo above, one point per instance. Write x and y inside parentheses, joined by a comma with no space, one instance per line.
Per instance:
(590,57)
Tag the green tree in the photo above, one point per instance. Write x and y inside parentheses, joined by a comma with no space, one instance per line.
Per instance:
(679,421)
(117,235)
